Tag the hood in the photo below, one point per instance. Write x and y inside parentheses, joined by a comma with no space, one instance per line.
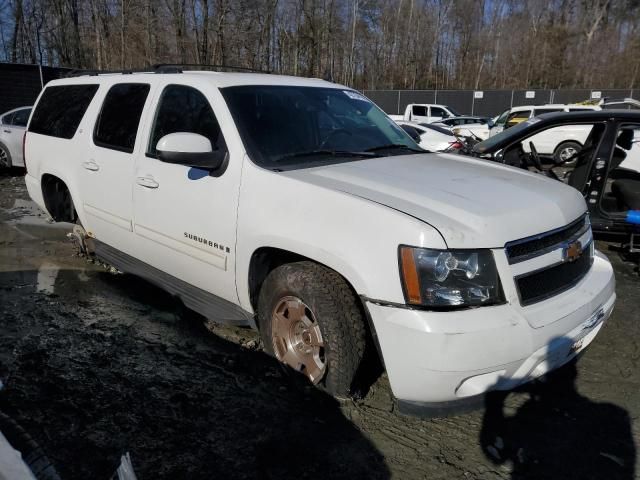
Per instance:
(473,203)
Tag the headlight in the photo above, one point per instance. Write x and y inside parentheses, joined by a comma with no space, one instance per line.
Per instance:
(449,278)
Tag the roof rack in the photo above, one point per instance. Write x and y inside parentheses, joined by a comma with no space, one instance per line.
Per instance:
(179,67)
(164,68)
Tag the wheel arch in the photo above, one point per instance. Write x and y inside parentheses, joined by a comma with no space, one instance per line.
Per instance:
(58,198)
(267,258)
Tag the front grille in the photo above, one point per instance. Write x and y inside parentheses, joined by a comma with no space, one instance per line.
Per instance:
(520,250)
(537,286)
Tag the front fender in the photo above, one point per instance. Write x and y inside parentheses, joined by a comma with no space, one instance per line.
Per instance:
(355,237)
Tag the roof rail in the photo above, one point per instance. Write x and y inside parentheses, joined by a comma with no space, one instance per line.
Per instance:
(179,67)
(93,73)
(163,68)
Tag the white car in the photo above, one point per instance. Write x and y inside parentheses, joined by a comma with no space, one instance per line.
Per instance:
(430,137)
(561,143)
(297,207)
(12,127)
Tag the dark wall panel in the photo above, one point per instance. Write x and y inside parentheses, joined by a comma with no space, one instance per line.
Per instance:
(21,84)
(459,100)
(387,100)
(492,103)
(541,97)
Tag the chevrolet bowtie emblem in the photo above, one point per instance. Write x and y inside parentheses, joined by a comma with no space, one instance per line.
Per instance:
(572,252)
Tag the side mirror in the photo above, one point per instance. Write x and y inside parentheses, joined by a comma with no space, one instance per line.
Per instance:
(491,123)
(191,150)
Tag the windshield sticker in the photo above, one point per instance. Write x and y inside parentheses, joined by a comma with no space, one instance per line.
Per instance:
(355,96)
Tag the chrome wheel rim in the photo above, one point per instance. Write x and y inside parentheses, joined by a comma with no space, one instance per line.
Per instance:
(297,339)
(567,152)
(4,158)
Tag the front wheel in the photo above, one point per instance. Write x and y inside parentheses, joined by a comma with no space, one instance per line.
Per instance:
(311,321)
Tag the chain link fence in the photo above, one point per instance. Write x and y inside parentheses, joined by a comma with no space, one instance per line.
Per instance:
(487,103)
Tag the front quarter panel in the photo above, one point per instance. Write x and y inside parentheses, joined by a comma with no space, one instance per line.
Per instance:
(356,237)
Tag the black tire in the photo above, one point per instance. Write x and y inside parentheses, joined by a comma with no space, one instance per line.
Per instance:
(32,455)
(5,150)
(563,147)
(336,310)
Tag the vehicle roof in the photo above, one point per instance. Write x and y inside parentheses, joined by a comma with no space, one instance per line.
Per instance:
(555,105)
(218,79)
(428,105)
(540,122)
(15,110)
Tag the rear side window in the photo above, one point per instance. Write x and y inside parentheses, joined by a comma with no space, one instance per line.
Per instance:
(60,110)
(117,124)
(185,109)
(413,132)
(21,117)
(8,119)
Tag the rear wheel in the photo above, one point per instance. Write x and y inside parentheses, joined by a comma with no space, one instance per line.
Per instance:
(311,321)
(5,157)
(566,153)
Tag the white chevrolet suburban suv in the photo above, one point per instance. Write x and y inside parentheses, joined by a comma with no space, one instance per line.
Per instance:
(297,207)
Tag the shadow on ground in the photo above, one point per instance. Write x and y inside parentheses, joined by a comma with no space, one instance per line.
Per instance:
(90,385)
(558,433)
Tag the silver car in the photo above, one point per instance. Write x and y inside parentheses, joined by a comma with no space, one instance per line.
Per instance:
(12,127)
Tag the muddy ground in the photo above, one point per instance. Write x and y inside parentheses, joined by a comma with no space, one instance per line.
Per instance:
(95,364)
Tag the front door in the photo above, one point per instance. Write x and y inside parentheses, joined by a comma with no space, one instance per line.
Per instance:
(185,218)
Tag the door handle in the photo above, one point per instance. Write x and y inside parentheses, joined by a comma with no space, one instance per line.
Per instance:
(147,182)
(91,165)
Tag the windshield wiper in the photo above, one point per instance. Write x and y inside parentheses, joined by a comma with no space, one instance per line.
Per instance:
(395,146)
(331,153)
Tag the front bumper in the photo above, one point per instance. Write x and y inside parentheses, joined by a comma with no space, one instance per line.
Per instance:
(442,357)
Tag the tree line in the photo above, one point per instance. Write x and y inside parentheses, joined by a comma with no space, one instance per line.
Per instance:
(367,44)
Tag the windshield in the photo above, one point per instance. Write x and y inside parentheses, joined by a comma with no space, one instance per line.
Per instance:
(296,127)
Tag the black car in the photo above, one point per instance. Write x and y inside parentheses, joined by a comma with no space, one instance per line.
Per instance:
(612,192)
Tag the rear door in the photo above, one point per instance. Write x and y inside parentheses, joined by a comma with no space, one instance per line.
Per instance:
(106,170)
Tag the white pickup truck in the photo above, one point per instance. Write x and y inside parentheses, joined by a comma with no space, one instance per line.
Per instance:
(297,207)
(425,113)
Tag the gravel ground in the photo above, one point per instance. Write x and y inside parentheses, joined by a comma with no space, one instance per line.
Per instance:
(95,364)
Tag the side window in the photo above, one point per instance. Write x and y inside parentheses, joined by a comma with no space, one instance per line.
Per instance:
(60,110)
(419,110)
(517,117)
(21,117)
(8,119)
(502,118)
(540,111)
(438,112)
(185,109)
(117,124)
(413,132)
